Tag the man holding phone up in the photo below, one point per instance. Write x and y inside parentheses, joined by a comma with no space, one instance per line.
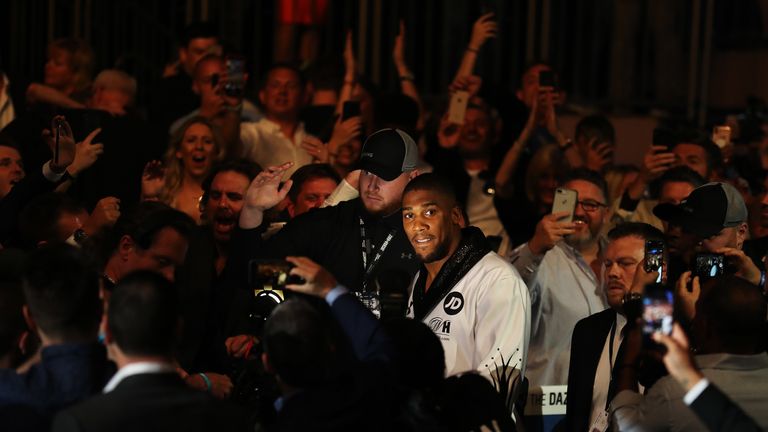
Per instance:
(559,264)
(716,215)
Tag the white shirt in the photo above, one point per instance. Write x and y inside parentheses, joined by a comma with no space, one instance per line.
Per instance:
(603,372)
(484,317)
(563,290)
(265,144)
(137,368)
(482,212)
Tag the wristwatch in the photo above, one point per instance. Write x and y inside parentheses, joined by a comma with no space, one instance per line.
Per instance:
(631,296)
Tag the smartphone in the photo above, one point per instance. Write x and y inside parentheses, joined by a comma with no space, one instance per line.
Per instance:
(664,137)
(565,201)
(654,257)
(721,136)
(58,126)
(547,79)
(271,274)
(658,307)
(350,109)
(709,265)
(458,107)
(235,84)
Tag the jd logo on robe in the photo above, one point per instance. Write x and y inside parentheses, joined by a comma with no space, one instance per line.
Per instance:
(453,303)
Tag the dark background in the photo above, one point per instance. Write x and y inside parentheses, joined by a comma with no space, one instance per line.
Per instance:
(690,58)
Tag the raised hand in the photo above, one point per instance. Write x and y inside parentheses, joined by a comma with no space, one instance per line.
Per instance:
(656,161)
(598,154)
(152,180)
(484,28)
(316,148)
(263,193)
(469,83)
(350,65)
(344,132)
(745,267)
(86,154)
(678,358)
(448,132)
(65,154)
(105,214)
(549,231)
(319,281)
(685,301)
(398,52)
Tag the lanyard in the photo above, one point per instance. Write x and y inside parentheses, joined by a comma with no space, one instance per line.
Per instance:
(366,248)
(610,361)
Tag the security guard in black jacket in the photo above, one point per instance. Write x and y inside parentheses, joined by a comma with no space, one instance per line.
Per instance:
(361,242)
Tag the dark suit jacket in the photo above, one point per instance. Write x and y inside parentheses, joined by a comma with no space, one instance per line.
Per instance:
(150,402)
(586,347)
(719,413)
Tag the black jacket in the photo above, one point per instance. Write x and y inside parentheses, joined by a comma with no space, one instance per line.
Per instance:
(159,402)
(587,346)
(331,237)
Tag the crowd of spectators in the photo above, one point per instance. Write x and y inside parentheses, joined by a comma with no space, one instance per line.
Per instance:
(424,281)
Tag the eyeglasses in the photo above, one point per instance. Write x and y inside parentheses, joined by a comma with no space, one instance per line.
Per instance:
(591,206)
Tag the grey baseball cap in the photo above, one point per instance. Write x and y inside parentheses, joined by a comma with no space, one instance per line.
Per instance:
(707,210)
(388,153)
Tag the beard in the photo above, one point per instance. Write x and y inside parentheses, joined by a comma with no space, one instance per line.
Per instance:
(440,251)
(581,239)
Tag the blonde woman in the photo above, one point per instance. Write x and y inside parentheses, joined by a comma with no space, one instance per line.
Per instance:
(177,181)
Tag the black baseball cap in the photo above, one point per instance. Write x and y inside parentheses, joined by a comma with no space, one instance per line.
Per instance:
(387,153)
(707,210)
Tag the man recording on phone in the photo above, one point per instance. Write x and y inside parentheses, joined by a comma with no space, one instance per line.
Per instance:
(728,335)
(559,264)
(716,215)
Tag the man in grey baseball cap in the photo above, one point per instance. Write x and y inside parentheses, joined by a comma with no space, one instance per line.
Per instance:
(716,215)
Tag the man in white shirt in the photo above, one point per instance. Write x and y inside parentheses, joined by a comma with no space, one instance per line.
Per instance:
(146,393)
(473,300)
(276,138)
(560,265)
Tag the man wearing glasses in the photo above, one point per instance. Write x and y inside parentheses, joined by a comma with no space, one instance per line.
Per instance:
(560,265)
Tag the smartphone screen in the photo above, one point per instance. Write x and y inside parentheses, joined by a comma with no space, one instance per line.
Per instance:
(235,76)
(664,137)
(546,78)
(350,109)
(654,257)
(565,201)
(709,265)
(658,307)
(271,274)
(458,107)
(721,136)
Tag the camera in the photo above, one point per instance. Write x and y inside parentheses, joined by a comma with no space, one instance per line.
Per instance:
(268,278)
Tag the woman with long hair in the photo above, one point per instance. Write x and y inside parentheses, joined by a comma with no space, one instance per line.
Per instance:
(177,181)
